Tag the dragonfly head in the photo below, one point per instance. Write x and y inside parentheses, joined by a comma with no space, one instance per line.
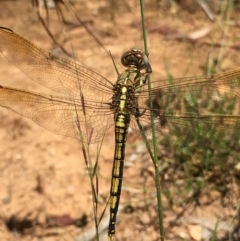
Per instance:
(135,57)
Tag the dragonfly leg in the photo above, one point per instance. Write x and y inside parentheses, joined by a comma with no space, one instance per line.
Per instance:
(138,113)
(147,72)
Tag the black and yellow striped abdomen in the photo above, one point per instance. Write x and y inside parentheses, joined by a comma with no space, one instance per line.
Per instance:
(122,100)
(121,130)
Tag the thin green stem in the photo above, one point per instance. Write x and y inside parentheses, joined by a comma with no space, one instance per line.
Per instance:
(155,159)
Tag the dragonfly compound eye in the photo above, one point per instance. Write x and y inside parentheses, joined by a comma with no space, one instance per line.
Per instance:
(136,58)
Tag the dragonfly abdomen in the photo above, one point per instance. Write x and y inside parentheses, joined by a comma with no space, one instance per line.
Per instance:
(121,130)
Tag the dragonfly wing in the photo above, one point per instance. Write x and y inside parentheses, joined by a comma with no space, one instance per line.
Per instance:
(226,81)
(87,121)
(208,105)
(55,73)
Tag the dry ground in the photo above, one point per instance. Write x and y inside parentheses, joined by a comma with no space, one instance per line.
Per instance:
(43,175)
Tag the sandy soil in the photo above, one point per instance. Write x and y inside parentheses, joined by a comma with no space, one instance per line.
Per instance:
(44,183)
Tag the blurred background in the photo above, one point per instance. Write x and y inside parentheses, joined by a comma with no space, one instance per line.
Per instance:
(45,189)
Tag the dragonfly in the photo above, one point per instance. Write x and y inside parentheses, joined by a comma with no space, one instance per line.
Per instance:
(87,104)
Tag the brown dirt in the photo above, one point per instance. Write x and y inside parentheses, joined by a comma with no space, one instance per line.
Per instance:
(43,174)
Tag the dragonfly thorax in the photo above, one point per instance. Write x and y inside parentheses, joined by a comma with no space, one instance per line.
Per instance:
(124,99)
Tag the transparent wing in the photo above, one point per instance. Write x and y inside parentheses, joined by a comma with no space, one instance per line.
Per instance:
(55,73)
(209,105)
(86,121)
(85,111)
